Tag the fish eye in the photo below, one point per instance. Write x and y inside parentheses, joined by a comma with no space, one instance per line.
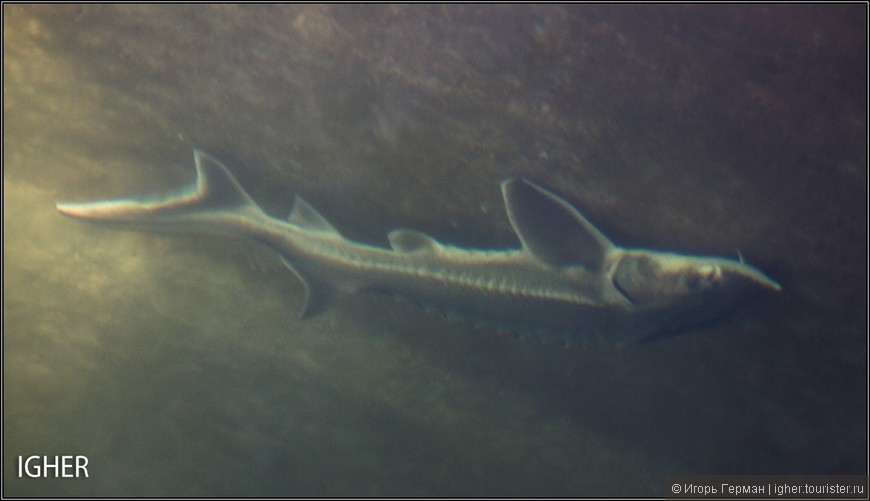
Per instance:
(715,276)
(704,277)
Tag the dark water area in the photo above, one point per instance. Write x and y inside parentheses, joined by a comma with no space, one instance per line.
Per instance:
(178,364)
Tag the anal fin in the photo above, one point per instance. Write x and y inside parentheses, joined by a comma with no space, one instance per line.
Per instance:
(318,294)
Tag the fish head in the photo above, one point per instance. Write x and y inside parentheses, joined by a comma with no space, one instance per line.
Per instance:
(671,281)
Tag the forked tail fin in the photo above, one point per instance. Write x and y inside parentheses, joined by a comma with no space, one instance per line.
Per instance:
(214,193)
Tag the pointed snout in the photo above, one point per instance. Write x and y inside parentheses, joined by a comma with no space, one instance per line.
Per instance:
(743,274)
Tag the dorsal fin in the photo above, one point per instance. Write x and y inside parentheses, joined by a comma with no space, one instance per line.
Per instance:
(412,241)
(551,229)
(305,216)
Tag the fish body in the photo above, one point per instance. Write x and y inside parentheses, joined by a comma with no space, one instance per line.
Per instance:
(566,277)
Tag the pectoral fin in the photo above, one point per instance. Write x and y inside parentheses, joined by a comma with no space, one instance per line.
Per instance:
(551,229)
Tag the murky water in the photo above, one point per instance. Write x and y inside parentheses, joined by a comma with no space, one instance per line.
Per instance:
(178,366)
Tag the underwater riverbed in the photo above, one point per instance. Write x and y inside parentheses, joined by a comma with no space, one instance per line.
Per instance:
(178,365)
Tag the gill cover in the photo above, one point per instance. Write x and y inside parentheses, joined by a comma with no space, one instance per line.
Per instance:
(649,278)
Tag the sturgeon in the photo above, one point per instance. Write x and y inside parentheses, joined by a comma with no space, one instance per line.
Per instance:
(567,277)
